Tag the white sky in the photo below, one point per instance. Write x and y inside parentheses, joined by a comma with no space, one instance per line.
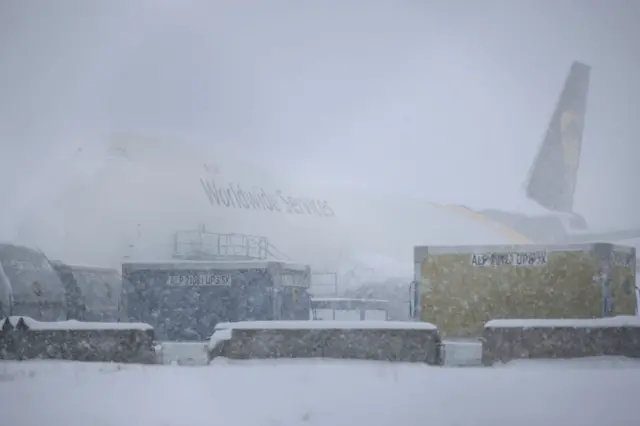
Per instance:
(442,99)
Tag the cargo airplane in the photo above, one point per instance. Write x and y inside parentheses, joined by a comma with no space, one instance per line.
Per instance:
(154,199)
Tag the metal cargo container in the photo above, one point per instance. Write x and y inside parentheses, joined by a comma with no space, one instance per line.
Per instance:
(93,293)
(36,289)
(6,302)
(184,300)
(460,288)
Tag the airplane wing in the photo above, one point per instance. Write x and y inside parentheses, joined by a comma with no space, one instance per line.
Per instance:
(607,236)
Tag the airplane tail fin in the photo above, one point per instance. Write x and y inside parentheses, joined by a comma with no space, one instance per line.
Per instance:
(553,175)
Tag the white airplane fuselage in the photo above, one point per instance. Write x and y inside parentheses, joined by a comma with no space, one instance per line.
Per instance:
(131,208)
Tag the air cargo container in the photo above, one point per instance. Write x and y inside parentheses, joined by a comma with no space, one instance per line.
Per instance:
(34,287)
(184,300)
(461,288)
(6,302)
(93,293)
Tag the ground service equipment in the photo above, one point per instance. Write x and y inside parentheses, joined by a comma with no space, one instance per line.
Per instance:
(184,300)
(36,289)
(93,293)
(461,288)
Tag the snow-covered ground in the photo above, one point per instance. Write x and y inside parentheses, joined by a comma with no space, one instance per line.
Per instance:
(317,392)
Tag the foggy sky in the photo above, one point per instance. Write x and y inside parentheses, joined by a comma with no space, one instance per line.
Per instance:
(441,99)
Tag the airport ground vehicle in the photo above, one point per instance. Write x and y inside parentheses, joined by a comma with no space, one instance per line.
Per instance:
(461,288)
(184,300)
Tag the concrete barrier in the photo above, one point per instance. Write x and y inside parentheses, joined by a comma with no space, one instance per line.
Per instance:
(366,340)
(509,339)
(23,338)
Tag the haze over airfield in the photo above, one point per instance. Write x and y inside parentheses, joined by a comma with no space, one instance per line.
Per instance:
(443,100)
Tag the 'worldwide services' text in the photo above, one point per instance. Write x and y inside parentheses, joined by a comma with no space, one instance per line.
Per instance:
(234,196)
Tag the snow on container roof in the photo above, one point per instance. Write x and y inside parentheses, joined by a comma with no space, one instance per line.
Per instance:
(520,248)
(210,264)
(77,325)
(326,325)
(619,321)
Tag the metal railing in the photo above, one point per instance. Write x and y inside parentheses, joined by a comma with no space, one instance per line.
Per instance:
(203,245)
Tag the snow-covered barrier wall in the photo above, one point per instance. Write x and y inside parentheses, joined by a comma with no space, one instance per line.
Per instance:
(367,340)
(508,339)
(23,338)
